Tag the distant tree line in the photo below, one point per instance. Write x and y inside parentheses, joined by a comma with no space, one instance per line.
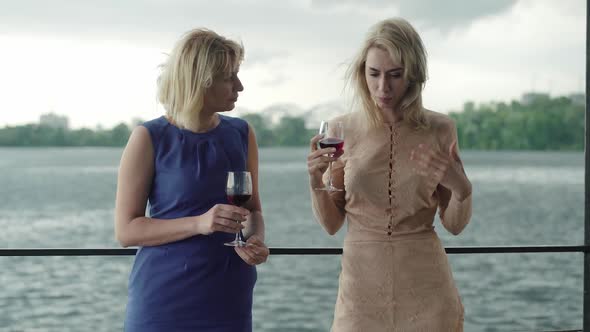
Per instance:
(290,131)
(540,124)
(43,135)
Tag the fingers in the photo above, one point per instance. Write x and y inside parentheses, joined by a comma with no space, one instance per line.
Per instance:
(429,162)
(231,212)
(230,215)
(318,165)
(315,152)
(246,255)
(253,254)
(227,226)
(321,153)
(454,151)
(237,209)
(323,160)
(224,229)
(254,240)
(313,143)
(428,156)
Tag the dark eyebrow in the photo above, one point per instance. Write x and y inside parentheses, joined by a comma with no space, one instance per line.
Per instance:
(389,71)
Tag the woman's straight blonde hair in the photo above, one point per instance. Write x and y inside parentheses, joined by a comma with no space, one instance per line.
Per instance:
(397,37)
(196,59)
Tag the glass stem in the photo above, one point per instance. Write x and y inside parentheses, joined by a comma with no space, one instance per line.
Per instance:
(238,237)
(330,175)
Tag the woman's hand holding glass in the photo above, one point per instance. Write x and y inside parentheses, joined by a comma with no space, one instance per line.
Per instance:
(222,218)
(319,160)
(331,144)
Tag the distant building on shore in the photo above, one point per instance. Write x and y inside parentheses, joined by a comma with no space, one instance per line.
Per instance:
(53,120)
(529,97)
(578,98)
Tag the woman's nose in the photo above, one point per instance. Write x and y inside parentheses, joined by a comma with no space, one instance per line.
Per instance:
(383,84)
(238,85)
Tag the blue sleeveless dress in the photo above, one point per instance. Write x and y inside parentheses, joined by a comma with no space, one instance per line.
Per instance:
(196,284)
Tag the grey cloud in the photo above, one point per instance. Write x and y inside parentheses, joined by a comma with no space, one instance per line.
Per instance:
(135,20)
(444,14)
(268,28)
(279,29)
(450,14)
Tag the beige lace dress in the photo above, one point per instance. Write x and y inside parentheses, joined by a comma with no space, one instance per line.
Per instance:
(395,273)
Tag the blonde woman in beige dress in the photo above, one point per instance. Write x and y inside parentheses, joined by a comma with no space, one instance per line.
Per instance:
(400,164)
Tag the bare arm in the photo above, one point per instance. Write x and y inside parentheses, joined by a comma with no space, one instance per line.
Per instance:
(256,252)
(457,213)
(254,224)
(444,170)
(328,208)
(132,227)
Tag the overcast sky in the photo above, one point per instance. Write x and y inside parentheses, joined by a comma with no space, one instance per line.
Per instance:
(96,61)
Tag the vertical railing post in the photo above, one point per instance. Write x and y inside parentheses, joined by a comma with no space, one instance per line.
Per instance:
(586,305)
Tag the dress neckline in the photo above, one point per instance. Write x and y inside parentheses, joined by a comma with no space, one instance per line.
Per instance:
(189,132)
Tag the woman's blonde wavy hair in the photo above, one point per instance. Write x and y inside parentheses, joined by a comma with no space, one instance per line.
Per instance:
(402,42)
(196,59)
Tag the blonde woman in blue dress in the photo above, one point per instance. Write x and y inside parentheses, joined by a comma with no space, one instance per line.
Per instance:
(183,277)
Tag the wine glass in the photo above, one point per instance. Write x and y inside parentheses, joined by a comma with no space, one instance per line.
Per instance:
(333,138)
(238,191)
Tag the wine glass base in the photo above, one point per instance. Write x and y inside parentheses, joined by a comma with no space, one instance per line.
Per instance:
(236,243)
(329,189)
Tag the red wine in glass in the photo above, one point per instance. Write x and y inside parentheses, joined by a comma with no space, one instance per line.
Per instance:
(238,190)
(333,138)
(333,142)
(238,200)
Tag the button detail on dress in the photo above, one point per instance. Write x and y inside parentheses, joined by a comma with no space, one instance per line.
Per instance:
(393,140)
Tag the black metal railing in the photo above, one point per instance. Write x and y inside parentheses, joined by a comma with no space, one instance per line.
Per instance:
(289,250)
(305,251)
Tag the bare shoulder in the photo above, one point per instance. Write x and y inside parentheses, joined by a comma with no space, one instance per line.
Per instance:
(140,135)
(439,122)
(139,144)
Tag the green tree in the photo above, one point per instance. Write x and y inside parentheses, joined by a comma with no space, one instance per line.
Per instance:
(264,134)
(291,132)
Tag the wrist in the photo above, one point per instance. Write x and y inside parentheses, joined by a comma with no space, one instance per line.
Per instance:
(258,236)
(195,225)
(316,181)
(462,193)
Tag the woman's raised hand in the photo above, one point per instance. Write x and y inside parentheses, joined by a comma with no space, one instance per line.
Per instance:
(441,168)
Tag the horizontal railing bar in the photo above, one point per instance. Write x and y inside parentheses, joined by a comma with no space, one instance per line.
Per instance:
(287,251)
(516,249)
